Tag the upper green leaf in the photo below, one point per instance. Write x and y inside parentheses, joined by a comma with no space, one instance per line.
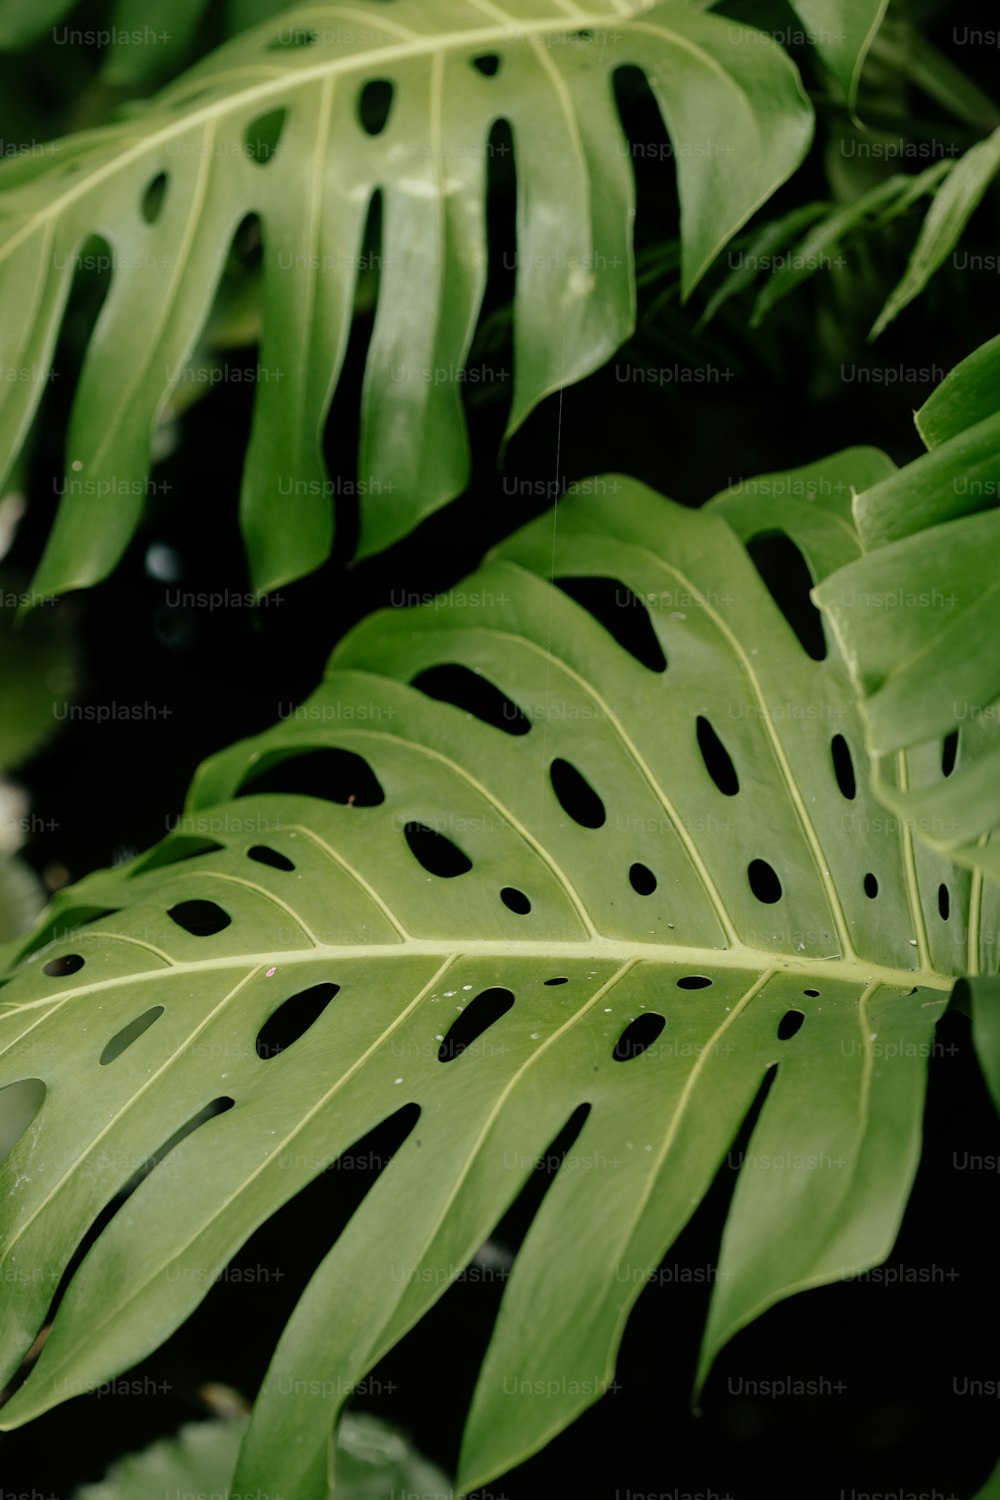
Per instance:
(637,878)
(289,123)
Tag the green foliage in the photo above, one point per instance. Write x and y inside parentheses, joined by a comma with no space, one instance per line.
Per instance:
(373,1460)
(704,853)
(918,614)
(165,191)
(842,32)
(957,198)
(624,841)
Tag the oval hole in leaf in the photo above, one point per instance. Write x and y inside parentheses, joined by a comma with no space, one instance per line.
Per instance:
(944,903)
(764,881)
(262,136)
(293,1018)
(871,886)
(813,994)
(437,854)
(693,982)
(335,775)
(129,1034)
(623,615)
(949,752)
(786,575)
(475,694)
(153,198)
(19,1106)
(515,900)
(718,761)
(843,767)
(375,105)
(576,796)
(68,963)
(173,850)
(488,64)
(638,1035)
(790,1024)
(200,918)
(642,880)
(264,855)
(557,981)
(478,1016)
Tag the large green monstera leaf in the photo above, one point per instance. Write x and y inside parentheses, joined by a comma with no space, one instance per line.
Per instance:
(604,842)
(304,122)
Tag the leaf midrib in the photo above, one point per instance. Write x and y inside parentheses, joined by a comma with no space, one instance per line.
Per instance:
(736,957)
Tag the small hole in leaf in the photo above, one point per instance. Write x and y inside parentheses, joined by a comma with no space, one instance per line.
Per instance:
(293,1019)
(871,886)
(576,796)
(623,615)
(267,856)
(718,762)
(153,198)
(642,880)
(638,1035)
(488,64)
(290,39)
(200,918)
(333,774)
(812,993)
(764,882)
(694,982)
(437,854)
(516,900)
(129,1034)
(786,574)
(949,753)
(557,981)
(375,104)
(944,902)
(478,1016)
(478,696)
(58,968)
(262,136)
(789,1024)
(843,767)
